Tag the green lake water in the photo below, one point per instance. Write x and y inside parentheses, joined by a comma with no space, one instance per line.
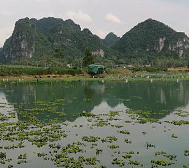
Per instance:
(112,124)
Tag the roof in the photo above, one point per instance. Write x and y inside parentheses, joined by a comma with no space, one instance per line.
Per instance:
(96,69)
(94,65)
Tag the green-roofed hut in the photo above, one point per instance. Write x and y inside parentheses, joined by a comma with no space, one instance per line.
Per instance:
(96,69)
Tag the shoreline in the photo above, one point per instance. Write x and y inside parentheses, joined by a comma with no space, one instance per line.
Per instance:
(70,78)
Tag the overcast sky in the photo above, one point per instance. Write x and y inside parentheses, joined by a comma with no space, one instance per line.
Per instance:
(100,16)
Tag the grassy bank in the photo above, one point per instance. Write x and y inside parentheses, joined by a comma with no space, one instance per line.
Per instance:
(8,70)
(25,79)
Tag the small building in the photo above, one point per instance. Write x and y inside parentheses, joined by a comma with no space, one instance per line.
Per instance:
(96,69)
(69,66)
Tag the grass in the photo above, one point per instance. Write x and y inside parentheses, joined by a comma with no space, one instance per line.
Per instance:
(67,78)
(7,70)
(29,72)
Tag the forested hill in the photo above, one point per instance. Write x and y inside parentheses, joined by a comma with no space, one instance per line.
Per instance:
(37,39)
(111,39)
(153,39)
(34,38)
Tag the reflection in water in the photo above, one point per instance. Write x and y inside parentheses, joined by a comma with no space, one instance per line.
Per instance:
(3,99)
(163,99)
(91,96)
(76,97)
(6,108)
(105,108)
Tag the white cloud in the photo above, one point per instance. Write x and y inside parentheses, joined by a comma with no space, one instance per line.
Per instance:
(112,18)
(79,16)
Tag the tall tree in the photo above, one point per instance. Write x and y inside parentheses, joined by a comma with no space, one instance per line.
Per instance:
(59,54)
(88,59)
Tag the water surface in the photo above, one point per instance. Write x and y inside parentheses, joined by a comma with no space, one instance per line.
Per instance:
(68,101)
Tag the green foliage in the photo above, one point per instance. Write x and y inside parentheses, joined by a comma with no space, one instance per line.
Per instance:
(88,59)
(148,69)
(161,162)
(90,139)
(58,53)
(186,152)
(3,155)
(26,70)
(188,65)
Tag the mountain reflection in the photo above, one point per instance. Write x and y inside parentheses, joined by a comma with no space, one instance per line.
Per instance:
(87,96)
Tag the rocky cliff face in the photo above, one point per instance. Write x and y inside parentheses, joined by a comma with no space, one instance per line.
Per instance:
(22,42)
(153,37)
(98,53)
(180,46)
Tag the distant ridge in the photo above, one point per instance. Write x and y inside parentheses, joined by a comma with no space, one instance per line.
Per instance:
(111,39)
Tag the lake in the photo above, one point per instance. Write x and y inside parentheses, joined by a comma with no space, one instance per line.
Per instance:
(94,124)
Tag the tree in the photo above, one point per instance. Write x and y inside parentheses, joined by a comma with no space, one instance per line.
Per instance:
(88,59)
(59,54)
(48,61)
